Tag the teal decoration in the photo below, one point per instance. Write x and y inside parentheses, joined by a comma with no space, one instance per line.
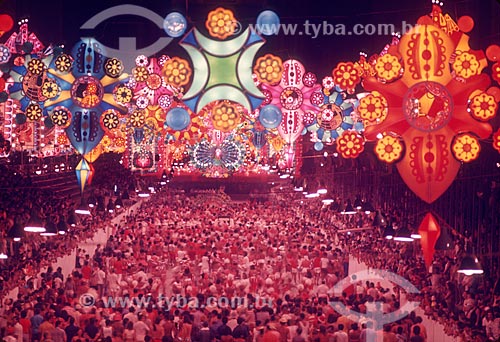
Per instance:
(318,145)
(175,24)
(178,119)
(268,23)
(270,116)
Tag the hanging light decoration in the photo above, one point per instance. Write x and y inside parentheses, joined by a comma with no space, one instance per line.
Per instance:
(35,223)
(403,234)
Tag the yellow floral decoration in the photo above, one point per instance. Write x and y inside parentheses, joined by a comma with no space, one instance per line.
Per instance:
(269,69)
(496,140)
(33,112)
(388,149)
(221,23)
(483,106)
(388,67)
(466,147)
(346,76)
(225,117)
(373,108)
(350,144)
(465,65)
(177,71)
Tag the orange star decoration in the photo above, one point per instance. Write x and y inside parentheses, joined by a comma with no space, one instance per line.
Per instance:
(466,147)
(177,71)
(431,104)
(269,69)
(372,108)
(389,149)
(350,144)
(225,117)
(483,106)
(221,23)
(346,76)
(388,67)
(496,140)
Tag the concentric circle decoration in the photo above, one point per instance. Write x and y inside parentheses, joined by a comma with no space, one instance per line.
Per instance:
(61,116)
(291,98)
(270,116)
(329,116)
(87,92)
(178,119)
(428,106)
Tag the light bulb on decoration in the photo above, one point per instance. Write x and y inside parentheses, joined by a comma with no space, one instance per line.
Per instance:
(62,227)
(380,136)
(403,234)
(358,204)
(415,235)
(51,229)
(349,209)
(16,232)
(389,232)
(470,266)
(322,190)
(82,209)
(35,224)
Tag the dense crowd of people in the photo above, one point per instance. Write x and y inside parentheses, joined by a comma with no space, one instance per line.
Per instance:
(205,268)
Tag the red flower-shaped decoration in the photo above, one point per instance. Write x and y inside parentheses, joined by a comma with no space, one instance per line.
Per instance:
(427,106)
(350,144)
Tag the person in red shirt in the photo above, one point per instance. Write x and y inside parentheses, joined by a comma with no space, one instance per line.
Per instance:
(86,271)
(26,324)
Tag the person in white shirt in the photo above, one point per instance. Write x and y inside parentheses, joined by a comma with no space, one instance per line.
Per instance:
(141,329)
(340,335)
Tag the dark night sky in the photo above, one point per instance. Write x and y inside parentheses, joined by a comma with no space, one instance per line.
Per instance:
(59,21)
